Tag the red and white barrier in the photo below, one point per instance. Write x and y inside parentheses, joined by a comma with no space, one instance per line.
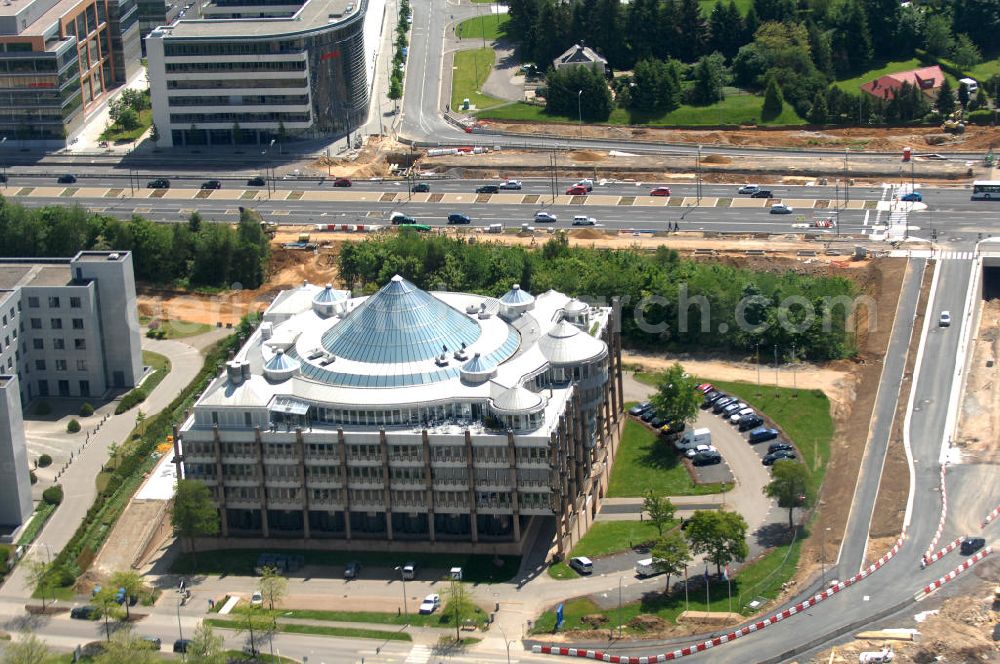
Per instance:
(726,638)
(989,517)
(972,560)
(347,228)
(944,514)
(937,555)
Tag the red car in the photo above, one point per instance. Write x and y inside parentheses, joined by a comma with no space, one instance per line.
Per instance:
(660,191)
(341,182)
(577,190)
(705,388)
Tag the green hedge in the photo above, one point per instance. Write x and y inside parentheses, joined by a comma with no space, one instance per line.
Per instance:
(53,495)
(73,426)
(983,116)
(130,400)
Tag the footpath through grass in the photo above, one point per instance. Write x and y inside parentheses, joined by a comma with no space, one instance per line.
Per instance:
(470,70)
(647,463)
(321,630)
(489,26)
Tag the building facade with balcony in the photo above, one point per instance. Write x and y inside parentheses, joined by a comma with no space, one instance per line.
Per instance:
(412,419)
(252,73)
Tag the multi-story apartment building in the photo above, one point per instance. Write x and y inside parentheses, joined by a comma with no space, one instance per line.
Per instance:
(154,13)
(251,73)
(410,419)
(59,59)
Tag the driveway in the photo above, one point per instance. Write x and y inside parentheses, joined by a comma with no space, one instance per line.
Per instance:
(505,80)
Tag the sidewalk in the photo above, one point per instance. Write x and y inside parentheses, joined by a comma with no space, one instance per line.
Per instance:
(78,484)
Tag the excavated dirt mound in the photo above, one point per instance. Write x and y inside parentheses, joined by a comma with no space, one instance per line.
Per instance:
(716,159)
(586,155)
(588,234)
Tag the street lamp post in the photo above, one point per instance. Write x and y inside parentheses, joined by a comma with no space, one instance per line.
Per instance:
(506,642)
(847,179)
(698,179)
(403,579)
(619,608)
(579,110)
(180,629)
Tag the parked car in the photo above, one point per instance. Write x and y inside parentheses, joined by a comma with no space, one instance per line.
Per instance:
(86,612)
(582,564)
(211,184)
(770,459)
(945,319)
(762,435)
(430,604)
(706,459)
(779,446)
(781,208)
(762,193)
(488,189)
(256,181)
(256,599)
(748,422)
(694,451)
(543,217)
(420,188)
(660,191)
(182,645)
(66,179)
(576,190)
(342,182)
(658,422)
(735,418)
(710,397)
(151,642)
(456,218)
(721,403)
(584,220)
(749,189)
(352,570)
(640,408)
(158,183)
(704,388)
(912,197)
(511,184)
(648,415)
(672,427)
(733,407)
(971,544)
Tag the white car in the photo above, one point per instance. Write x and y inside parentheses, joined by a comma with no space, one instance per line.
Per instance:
(511,184)
(749,188)
(700,448)
(735,417)
(545,217)
(584,220)
(582,564)
(256,599)
(430,604)
(781,208)
(945,319)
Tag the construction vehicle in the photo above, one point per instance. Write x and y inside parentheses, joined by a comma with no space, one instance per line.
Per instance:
(269,228)
(879,657)
(954,123)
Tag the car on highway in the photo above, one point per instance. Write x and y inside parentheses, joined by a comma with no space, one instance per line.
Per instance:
(256,181)
(584,220)
(971,544)
(779,446)
(158,183)
(749,189)
(342,182)
(150,642)
(398,218)
(3,178)
(640,408)
(543,217)
(586,184)
(211,184)
(944,320)
(352,570)
(762,435)
(85,612)
(430,604)
(660,191)
(511,184)
(781,208)
(582,564)
(409,571)
(456,218)
(762,193)
(773,457)
(694,451)
(912,197)
(577,190)
(66,179)
(706,459)
(488,189)
(420,188)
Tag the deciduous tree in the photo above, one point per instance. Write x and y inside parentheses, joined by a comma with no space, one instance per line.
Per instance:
(273,586)
(720,535)
(193,514)
(676,398)
(131,582)
(206,646)
(789,485)
(671,555)
(26,649)
(660,510)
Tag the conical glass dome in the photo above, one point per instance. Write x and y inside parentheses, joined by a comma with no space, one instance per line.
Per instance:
(280,366)
(400,323)
(479,369)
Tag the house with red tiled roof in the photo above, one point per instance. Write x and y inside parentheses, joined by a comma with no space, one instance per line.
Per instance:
(927,80)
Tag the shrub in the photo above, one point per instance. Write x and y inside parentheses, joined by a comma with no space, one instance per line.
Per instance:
(981,117)
(44,461)
(130,400)
(73,426)
(156,334)
(53,495)
(86,410)
(34,478)
(42,408)
(65,577)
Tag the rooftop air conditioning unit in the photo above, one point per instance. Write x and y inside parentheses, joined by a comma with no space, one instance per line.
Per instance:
(114,256)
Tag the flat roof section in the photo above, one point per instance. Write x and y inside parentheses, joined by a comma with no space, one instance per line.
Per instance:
(313,15)
(101,256)
(13,275)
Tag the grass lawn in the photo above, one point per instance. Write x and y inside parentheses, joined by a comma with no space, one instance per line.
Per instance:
(263,658)
(607,537)
(985,70)
(161,367)
(240,562)
(321,630)
(493,26)
(178,329)
(470,71)
(852,84)
(743,109)
(115,134)
(440,618)
(708,5)
(646,463)
(760,578)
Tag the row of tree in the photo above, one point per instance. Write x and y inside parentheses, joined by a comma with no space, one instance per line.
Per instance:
(185,254)
(667,302)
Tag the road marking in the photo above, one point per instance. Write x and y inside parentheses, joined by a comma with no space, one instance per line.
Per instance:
(419,654)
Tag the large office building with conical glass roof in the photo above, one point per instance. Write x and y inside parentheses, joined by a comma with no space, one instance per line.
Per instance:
(412,420)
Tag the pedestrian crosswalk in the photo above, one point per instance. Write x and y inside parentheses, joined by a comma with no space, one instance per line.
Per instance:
(420,654)
(953,255)
(936,254)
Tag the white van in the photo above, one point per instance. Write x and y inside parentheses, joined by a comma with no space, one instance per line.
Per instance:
(494,228)
(646,567)
(694,438)
(970,85)
(582,564)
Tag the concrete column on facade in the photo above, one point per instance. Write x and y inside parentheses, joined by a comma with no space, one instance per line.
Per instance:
(616,335)
(178,455)
(428,483)
(471,474)
(606,404)
(220,482)
(300,443)
(259,445)
(383,448)
(345,487)
(515,492)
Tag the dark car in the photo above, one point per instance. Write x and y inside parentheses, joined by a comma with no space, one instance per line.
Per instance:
(3,178)
(710,398)
(341,182)
(779,447)
(762,435)
(773,457)
(672,427)
(420,188)
(158,183)
(256,181)
(66,179)
(748,422)
(762,193)
(353,570)
(972,544)
(658,422)
(182,645)
(706,458)
(721,403)
(211,184)
(648,415)
(488,189)
(86,612)
(640,408)
(150,642)
(400,218)
(456,218)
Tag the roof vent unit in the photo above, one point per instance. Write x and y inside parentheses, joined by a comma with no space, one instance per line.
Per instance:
(442,360)
(234,371)
(471,309)
(113,256)
(483,314)
(266,330)
(461,355)
(315,353)
(246,370)
(328,359)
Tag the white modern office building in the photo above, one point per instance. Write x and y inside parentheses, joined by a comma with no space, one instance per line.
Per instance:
(411,420)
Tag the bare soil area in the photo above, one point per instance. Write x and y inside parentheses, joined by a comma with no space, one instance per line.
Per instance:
(979,424)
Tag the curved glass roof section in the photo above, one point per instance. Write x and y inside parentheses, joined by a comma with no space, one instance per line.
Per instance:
(400,323)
